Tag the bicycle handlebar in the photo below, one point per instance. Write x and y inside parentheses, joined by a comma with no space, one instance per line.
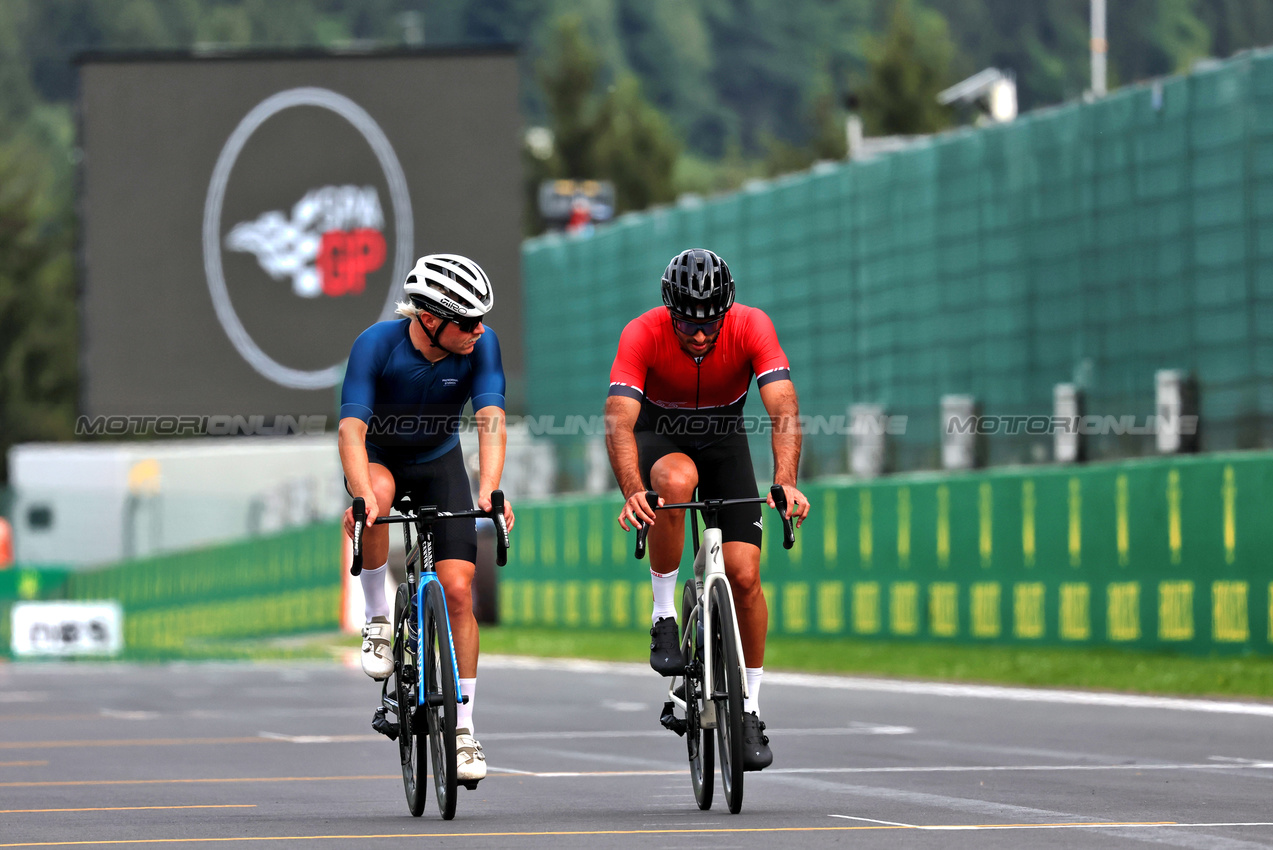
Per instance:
(780,504)
(495,514)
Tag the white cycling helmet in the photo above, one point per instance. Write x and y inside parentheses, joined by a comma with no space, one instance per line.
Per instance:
(450,287)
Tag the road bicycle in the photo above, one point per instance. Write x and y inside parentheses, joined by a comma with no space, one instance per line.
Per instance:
(711,691)
(423,691)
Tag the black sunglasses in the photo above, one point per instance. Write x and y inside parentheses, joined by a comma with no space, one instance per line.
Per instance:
(690,328)
(468,325)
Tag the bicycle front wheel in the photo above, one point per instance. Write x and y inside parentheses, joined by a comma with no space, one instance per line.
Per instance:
(702,747)
(727,693)
(440,689)
(411,746)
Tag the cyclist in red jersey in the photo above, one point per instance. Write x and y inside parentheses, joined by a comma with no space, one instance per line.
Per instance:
(674,423)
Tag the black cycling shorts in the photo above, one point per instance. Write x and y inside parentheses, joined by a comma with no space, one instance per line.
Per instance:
(724,472)
(444,483)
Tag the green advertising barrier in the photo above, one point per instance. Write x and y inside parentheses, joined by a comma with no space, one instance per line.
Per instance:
(21,584)
(1153,554)
(283,584)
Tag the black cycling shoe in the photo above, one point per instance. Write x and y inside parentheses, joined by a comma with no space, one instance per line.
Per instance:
(756,752)
(665,648)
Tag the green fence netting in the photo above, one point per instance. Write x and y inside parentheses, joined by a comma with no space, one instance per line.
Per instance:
(1093,242)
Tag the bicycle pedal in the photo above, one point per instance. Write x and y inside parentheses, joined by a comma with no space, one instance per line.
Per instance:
(382,725)
(670,721)
(471,784)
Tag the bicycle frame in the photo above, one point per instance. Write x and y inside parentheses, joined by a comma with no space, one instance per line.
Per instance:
(709,570)
(421,556)
(420,559)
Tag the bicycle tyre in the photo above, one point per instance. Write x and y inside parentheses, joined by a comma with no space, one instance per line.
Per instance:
(727,682)
(699,742)
(441,708)
(411,747)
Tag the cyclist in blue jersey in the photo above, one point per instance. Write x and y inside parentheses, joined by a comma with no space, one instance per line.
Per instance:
(405,386)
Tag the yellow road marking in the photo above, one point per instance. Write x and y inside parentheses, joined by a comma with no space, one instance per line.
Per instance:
(63,783)
(132,742)
(678,831)
(23,763)
(125,809)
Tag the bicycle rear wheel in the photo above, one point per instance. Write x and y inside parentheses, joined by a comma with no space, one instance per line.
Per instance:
(440,689)
(728,695)
(701,745)
(411,747)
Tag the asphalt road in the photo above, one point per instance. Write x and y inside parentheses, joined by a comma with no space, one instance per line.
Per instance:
(283,756)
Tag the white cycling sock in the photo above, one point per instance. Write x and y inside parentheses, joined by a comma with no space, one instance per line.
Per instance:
(464,711)
(664,585)
(373,592)
(752,703)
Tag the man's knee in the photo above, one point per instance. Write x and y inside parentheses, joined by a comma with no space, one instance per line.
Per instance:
(459,592)
(385,491)
(675,482)
(743,570)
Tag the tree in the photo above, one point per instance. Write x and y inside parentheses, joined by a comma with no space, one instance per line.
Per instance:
(617,136)
(906,70)
(38,355)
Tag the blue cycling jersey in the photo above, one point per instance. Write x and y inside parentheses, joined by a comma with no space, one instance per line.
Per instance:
(411,406)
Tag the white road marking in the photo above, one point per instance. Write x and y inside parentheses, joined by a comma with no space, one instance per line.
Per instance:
(873,820)
(617,705)
(1021,767)
(1147,825)
(874,685)
(128,715)
(320,739)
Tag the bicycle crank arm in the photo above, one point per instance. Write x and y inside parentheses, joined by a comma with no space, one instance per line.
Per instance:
(435,700)
(670,721)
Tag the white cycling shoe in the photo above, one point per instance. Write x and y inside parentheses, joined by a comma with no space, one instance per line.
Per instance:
(377,655)
(470,761)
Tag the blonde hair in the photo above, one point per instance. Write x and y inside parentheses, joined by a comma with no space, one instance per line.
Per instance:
(408,310)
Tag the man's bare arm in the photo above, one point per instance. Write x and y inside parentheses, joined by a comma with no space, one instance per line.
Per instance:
(621,418)
(351,437)
(779,398)
(352,442)
(492,442)
(780,401)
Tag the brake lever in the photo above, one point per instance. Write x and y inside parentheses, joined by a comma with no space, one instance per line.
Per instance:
(643,530)
(501,529)
(780,504)
(360,520)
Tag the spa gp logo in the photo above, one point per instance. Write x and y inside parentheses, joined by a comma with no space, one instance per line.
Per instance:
(334,237)
(324,246)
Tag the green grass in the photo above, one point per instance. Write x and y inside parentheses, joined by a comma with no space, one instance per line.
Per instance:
(1095,669)
(1098,669)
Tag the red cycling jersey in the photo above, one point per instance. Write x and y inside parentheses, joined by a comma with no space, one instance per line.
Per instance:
(701,399)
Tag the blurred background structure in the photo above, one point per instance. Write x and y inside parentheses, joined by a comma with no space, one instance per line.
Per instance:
(956,211)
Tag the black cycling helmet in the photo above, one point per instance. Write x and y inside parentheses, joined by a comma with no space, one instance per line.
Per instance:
(698,286)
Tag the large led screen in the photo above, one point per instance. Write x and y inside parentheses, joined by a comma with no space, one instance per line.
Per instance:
(245,218)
